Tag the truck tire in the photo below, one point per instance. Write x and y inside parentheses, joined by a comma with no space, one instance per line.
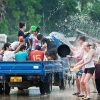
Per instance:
(7,88)
(42,88)
(63,84)
(19,88)
(1,89)
(48,87)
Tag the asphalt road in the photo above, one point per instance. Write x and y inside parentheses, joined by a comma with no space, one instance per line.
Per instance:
(34,94)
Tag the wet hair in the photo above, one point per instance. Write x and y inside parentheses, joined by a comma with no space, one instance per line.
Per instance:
(93,45)
(37,29)
(39,36)
(21,24)
(87,44)
(6,45)
(83,38)
(23,47)
(98,42)
(37,47)
(52,53)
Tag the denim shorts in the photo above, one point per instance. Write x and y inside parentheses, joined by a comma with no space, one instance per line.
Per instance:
(79,73)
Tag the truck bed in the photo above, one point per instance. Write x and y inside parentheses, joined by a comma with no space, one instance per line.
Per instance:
(30,67)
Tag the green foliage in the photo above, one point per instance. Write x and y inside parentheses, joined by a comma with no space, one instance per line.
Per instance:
(51,15)
(55,12)
(4,26)
(22,10)
(95,11)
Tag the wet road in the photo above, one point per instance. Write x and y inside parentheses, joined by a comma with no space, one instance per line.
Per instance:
(34,94)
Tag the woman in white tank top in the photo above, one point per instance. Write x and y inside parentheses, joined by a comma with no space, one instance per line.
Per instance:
(88,62)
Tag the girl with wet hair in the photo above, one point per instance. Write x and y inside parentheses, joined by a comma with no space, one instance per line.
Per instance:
(87,62)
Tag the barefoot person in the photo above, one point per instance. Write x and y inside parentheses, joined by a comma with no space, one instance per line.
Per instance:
(88,62)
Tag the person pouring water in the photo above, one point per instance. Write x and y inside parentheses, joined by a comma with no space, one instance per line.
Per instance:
(88,62)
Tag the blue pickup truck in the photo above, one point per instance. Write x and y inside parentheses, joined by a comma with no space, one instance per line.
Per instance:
(42,74)
(26,74)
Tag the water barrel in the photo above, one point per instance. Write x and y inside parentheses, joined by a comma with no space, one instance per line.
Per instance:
(63,50)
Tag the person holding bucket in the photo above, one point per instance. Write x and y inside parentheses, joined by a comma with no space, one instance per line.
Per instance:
(22,28)
(25,35)
(88,62)
(78,55)
(33,41)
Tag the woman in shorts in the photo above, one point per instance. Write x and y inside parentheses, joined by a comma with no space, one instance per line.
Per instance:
(88,62)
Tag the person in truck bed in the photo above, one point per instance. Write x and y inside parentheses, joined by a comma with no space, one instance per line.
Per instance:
(37,54)
(22,54)
(8,54)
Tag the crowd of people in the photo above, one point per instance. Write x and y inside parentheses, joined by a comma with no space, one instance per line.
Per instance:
(34,46)
(87,58)
(31,45)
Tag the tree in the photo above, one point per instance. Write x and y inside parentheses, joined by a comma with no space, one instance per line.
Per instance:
(28,11)
(55,12)
(2,9)
(94,11)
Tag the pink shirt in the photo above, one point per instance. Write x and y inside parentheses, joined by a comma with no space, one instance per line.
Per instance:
(34,41)
(79,54)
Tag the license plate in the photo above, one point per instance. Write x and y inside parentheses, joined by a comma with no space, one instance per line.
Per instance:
(15,79)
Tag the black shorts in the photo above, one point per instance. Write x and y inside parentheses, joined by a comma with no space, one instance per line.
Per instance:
(89,70)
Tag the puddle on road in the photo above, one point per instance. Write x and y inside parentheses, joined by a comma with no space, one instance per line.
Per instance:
(34,94)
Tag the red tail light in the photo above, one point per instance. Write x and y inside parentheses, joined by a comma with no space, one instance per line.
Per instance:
(1,77)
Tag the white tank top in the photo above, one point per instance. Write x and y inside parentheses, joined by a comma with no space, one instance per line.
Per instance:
(90,64)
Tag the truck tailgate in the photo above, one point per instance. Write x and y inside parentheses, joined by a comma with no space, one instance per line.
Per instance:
(53,66)
(22,68)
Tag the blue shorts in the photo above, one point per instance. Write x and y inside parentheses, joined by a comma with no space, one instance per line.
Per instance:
(79,73)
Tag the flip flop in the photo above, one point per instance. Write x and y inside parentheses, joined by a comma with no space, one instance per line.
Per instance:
(76,93)
(87,98)
(80,95)
(93,92)
(83,97)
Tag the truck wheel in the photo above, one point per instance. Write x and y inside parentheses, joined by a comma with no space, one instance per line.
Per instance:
(42,88)
(48,86)
(63,84)
(19,88)
(7,88)
(1,89)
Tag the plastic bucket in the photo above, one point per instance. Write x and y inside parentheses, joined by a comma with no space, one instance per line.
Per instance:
(63,50)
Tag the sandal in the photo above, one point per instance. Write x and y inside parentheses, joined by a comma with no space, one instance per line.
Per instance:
(93,92)
(83,97)
(76,93)
(80,95)
(87,98)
